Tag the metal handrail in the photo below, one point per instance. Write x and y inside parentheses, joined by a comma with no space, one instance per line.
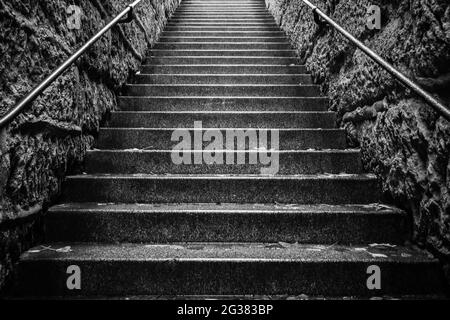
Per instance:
(32,95)
(437,105)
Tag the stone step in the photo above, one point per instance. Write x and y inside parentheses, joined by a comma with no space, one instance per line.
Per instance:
(211,268)
(189,28)
(168,223)
(160,138)
(223,103)
(160,162)
(222,25)
(223,79)
(222,45)
(174,60)
(223,19)
(301,189)
(223,69)
(221,14)
(225,4)
(205,33)
(229,39)
(223,90)
(222,119)
(223,53)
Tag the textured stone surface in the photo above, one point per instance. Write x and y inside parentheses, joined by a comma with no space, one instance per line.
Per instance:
(402,139)
(49,140)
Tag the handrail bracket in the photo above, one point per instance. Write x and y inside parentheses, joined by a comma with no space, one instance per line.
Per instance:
(130,17)
(320,22)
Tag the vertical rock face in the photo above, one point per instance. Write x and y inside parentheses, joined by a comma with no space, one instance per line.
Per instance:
(49,140)
(403,140)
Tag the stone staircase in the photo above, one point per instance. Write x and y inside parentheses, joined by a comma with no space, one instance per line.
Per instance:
(136,224)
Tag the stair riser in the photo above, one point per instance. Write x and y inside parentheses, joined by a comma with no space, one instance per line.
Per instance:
(222,79)
(222,60)
(188,28)
(187,277)
(222,104)
(223,12)
(223,34)
(223,69)
(161,139)
(222,25)
(223,120)
(223,20)
(223,91)
(223,53)
(264,227)
(224,39)
(220,190)
(228,4)
(161,163)
(218,45)
(221,15)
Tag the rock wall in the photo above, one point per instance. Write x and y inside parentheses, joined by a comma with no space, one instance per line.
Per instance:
(50,140)
(402,139)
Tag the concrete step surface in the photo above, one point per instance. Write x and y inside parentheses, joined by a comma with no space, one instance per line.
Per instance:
(266,223)
(227,33)
(174,60)
(291,162)
(302,189)
(223,69)
(300,79)
(222,119)
(221,53)
(159,103)
(161,138)
(222,45)
(221,28)
(233,90)
(226,269)
(219,39)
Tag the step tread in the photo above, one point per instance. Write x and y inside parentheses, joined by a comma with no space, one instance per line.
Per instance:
(231,85)
(231,252)
(322,151)
(254,177)
(350,209)
(224,65)
(223,129)
(196,112)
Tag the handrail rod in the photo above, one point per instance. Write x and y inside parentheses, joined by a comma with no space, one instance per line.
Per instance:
(437,105)
(32,95)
